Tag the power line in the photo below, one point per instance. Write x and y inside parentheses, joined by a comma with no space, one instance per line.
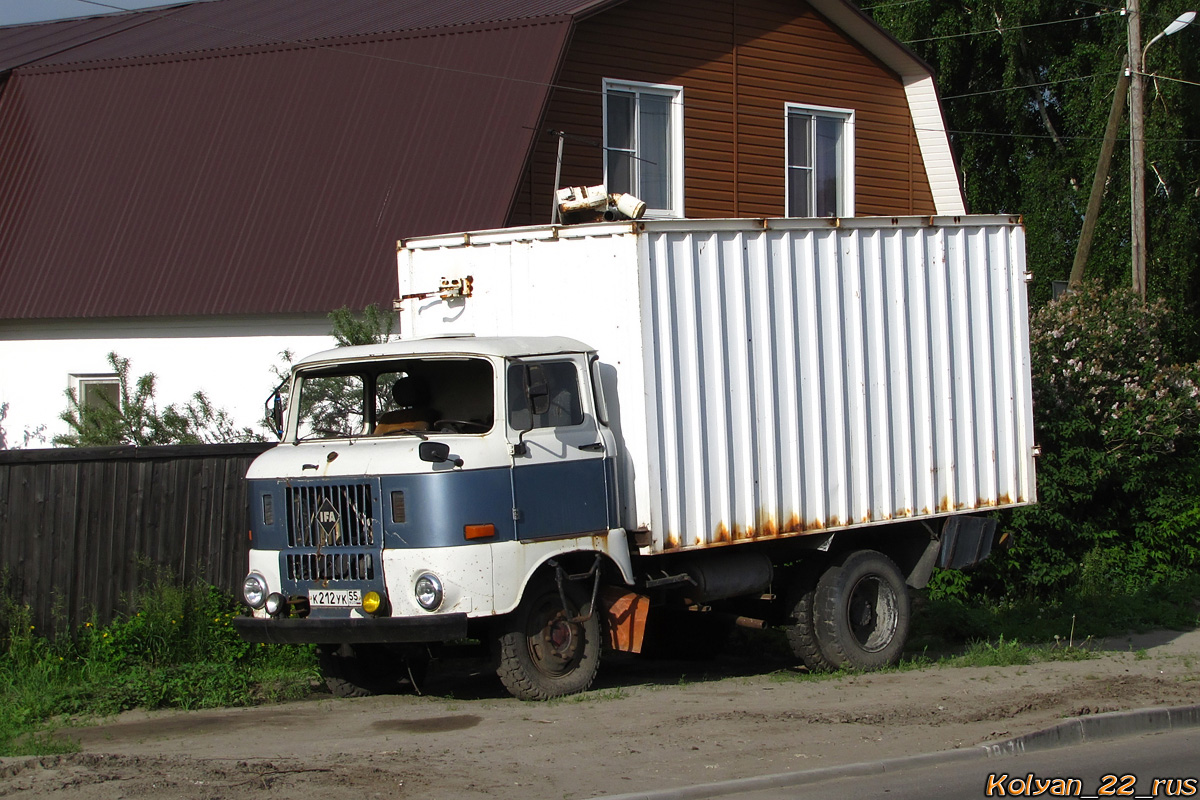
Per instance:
(1167,78)
(999,135)
(171,12)
(1013,28)
(1105,6)
(1026,86)
(893,5)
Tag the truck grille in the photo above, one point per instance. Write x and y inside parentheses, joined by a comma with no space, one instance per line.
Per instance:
(330,516)
(331,567)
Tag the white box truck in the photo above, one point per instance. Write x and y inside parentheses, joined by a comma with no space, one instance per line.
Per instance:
(789,422)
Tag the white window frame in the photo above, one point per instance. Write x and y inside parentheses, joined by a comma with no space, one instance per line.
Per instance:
(675,93)
(80,381)
(845,190)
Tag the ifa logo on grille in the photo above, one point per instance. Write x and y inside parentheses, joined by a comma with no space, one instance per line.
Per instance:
(329,524)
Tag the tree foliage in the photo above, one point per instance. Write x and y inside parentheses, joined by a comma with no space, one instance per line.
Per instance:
(136,418)
(331,403)
(1118,419)
(1026,98)
(371,326)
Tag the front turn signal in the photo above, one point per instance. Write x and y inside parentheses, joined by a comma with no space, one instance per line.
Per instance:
(371,602)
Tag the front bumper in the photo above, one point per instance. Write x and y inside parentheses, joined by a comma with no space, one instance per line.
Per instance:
(433,628)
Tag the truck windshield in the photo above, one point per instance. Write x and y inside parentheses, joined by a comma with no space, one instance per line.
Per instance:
(396,397)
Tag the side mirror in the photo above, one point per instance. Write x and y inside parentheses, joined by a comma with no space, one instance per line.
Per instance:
(277,413)
(437,453)
(274,408)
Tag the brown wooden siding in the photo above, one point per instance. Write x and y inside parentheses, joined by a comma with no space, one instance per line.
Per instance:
(738,65)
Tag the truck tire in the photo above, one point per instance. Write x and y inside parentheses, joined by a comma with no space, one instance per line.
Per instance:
(542,652)
(861,612)
(800,629)
(366,670)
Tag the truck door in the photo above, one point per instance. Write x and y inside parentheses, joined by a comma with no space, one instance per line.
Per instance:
(559,465)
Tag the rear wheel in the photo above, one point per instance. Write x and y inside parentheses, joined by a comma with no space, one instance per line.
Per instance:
(546,650)
(861,612)
(801,629)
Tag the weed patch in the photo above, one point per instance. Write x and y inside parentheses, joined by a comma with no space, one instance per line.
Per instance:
(176,649)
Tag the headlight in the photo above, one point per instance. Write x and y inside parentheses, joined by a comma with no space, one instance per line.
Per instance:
(254,590)
(429,591)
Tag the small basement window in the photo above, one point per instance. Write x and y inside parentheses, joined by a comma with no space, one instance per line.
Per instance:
(97,391)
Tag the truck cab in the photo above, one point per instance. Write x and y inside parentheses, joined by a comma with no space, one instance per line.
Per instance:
(418,491)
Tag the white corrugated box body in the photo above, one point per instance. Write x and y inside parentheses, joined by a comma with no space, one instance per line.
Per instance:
(778,377)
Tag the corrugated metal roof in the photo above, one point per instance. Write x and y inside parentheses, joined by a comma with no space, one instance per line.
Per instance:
(136,180)
(223,24)
(273,182)
(25,44)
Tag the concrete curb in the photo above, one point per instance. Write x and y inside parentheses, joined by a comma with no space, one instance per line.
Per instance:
(1073,731)
(1097,727)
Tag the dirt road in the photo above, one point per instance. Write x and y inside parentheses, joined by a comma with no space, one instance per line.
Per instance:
(647,725)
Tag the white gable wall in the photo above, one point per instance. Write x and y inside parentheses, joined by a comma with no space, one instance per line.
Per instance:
(229,359)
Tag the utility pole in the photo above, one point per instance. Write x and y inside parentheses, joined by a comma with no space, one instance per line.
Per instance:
(1137,153)
(1106,149)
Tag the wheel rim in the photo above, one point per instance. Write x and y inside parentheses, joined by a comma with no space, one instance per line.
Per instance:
(872,613)
(555,643)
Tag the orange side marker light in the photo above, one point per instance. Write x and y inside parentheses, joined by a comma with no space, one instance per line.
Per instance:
(479,531)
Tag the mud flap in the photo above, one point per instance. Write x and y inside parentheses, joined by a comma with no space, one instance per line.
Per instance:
(966,541)
(625,614)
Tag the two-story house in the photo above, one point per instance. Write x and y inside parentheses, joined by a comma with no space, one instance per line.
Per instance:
(195,187)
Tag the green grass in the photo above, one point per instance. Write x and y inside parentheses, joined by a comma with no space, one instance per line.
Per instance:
(1067,620)
(1011,652)
(176,649)
(986,633)
(985,653)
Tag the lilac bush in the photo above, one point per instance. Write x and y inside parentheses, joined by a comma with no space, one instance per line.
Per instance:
(1117,415)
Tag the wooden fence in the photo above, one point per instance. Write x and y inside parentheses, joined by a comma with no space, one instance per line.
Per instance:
(82,529)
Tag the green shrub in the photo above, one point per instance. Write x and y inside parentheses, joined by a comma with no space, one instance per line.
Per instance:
(1117,415)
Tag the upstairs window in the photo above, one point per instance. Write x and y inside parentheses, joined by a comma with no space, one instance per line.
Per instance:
(643,144)
(820,162)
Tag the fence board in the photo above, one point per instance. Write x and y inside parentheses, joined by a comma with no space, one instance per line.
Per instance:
(76,524)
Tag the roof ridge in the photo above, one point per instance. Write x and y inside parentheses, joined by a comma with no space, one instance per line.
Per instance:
(34,68)
(211,26)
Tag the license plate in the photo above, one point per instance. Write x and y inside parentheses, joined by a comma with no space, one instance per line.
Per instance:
(335,597)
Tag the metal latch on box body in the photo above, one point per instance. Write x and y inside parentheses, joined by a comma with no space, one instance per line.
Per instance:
(449,289)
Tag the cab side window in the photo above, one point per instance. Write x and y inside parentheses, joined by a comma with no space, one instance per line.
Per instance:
(558,381)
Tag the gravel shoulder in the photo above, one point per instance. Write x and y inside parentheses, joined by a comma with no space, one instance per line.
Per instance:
(647,725)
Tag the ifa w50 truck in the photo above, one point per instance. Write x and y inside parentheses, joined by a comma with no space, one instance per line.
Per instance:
(586,431)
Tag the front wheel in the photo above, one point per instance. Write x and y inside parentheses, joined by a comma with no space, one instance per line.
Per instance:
(364,670)
(546,650)
(861,612)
